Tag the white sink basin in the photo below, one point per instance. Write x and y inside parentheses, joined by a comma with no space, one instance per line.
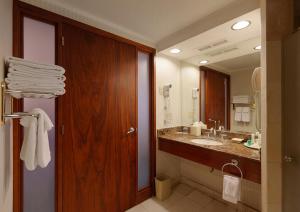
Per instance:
(204,141)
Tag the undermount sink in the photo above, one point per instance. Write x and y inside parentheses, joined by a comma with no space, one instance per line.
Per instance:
(208,142)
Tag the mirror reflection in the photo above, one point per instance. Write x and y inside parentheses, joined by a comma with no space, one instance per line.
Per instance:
(219,77)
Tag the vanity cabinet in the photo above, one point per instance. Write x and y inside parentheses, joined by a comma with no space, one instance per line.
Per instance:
(251,168)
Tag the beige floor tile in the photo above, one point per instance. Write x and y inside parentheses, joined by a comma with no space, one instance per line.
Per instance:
(183,189)
(185,205)
(138,208)
(199,198)
(216,206)
(175,197)
(152,205)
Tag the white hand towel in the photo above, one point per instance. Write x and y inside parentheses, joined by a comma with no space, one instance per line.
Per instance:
(238,114)
(35,149)
(44,124)
(246,114)
(231,189)
(28,150)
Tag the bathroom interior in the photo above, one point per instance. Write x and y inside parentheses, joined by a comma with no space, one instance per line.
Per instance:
(123,106)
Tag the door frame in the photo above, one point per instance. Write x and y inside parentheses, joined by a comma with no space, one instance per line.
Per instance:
(21,10)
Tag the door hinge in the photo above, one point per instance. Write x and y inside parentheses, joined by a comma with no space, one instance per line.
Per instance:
(62,40)
(62,129)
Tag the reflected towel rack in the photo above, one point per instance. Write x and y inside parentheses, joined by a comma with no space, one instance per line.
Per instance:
(251,105)
(4,92)
(234,163)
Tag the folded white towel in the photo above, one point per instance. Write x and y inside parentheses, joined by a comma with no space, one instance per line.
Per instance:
(36,89)
(231,189)
(246,114)
(238,114)
(21,69)
(30,77)
(35,149)
(15,61)
(34,78)
(34,84)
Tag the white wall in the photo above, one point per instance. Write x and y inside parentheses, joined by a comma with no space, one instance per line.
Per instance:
(240,82)
(168,72)
(5,144)
(190,78)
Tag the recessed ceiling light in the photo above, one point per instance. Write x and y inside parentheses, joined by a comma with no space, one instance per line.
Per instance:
(240,25)
(257,47)
(175,51)
(203,61)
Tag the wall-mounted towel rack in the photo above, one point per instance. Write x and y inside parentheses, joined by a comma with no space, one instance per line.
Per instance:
(234,163)
(4,91)
(251,105)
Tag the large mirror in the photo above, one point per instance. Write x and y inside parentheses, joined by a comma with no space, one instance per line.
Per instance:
(220,75)
(222,92)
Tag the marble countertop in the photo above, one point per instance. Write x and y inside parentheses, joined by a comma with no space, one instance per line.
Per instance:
(228,146)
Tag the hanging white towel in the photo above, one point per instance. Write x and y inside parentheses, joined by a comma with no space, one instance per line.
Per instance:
(35,149)
(238,114)
(231,189)
(44,124)
(246,114)
(28,150)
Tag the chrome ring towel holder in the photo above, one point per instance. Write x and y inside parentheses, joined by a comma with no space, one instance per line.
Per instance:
(234,163)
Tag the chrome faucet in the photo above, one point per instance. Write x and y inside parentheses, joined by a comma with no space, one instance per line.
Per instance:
(214,129)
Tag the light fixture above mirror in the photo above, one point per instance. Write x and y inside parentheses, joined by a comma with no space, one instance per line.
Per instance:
(175,51)
(203,61)
(240,25)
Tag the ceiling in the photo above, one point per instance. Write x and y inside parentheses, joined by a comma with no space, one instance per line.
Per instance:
(147,22)
(245,62)
(152,19)
(221,43)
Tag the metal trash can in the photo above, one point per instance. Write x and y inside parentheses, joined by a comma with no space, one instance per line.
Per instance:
(163,186)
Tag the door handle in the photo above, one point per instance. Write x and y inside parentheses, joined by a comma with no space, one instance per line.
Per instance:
(131,130)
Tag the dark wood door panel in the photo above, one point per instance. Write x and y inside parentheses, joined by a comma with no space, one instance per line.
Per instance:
(217,97)
(98,109)
(126,64)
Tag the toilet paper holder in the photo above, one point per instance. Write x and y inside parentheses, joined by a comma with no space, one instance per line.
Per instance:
(234,163)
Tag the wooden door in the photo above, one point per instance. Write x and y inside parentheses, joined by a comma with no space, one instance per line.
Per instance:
(217,97)
(98,157)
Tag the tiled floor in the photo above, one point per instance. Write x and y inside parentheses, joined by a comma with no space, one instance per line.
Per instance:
(183,199)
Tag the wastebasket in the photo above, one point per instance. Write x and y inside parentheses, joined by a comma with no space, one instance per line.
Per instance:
(163,187)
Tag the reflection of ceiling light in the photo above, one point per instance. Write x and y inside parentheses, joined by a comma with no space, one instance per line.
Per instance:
(175,51)
(203,61)
(257,47)
(240,25)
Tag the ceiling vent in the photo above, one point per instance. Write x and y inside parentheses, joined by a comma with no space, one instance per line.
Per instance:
(212,45)
(201,49)
(221,42)
(221,51)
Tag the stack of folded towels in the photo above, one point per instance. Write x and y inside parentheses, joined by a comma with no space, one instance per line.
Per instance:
(36,80)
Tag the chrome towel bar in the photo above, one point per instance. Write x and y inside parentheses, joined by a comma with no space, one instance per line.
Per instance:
(3,93)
